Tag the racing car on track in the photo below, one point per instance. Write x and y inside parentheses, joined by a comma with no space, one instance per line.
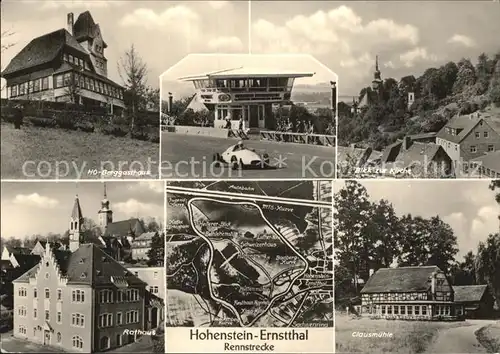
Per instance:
(239,156)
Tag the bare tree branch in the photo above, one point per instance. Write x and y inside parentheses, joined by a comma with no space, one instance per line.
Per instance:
(6,34)
(133,71)
(5,44)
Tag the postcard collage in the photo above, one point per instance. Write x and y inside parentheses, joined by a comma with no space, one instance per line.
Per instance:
(250,177)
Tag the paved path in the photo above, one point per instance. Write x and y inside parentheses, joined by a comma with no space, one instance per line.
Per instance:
(459,340)
(9,344)
(187,156)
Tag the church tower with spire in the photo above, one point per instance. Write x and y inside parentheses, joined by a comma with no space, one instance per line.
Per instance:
(75,226)
(105,214)
(377,80)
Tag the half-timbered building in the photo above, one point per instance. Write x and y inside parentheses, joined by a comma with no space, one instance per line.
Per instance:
(409,293)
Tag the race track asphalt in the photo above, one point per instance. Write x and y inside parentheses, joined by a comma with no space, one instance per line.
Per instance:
(190,157)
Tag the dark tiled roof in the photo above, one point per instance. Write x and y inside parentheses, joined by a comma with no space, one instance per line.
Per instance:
(18,250)
(466,123)
(85,27)
(89,265)
(494,123)
(417,153)
(55,245)
(147,236)
(469,293)
(491,160)
(5,263)
(27,261)
(76,214)
(423,136)
(403,279)
(391,150)
(125,227)
(42,50)
(153,300)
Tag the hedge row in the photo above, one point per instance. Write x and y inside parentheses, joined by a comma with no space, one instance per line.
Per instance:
(117,130)
(59,106)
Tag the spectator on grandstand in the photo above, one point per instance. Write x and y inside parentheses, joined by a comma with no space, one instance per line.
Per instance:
(240,125)
(310,128)
(228,122)
(301,126)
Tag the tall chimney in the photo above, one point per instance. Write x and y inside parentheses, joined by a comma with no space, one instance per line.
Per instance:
(407,143)
(70,23)
(170,102)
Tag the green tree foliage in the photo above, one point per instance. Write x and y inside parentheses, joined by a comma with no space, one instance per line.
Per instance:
(351,217)
(464,273)
(494,90)
(488,263)
(138,96)
(178,106)
(494,185)
(484,71)
(369,235)
(466,76)
(157,252)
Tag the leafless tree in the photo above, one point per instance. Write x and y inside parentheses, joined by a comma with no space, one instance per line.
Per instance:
(133,71)
(6,43)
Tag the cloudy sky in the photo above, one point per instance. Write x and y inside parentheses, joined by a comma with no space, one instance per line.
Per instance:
(43,207)
(409,36)
(163,32)
(469,207)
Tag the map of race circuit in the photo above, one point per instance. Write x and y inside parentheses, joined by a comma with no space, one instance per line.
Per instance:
(251,260)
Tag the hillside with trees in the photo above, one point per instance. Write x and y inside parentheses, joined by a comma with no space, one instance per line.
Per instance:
(440,93)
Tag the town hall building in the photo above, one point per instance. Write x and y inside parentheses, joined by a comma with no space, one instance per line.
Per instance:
(81,298)
(67,65)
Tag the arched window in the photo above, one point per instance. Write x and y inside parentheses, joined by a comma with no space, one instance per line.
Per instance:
(77,342)
(59,337)
(104,343)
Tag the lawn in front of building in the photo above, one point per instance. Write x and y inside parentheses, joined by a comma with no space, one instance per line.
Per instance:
(10,344)
(408,336)
(50,153)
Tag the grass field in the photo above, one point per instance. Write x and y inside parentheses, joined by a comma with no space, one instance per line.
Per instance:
(408,336)
(46,153)
(489,337)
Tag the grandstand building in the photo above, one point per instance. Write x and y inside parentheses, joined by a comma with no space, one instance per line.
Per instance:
(245,93)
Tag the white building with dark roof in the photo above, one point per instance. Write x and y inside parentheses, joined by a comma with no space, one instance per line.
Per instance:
(67,65)
(409,293)
(245,93)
